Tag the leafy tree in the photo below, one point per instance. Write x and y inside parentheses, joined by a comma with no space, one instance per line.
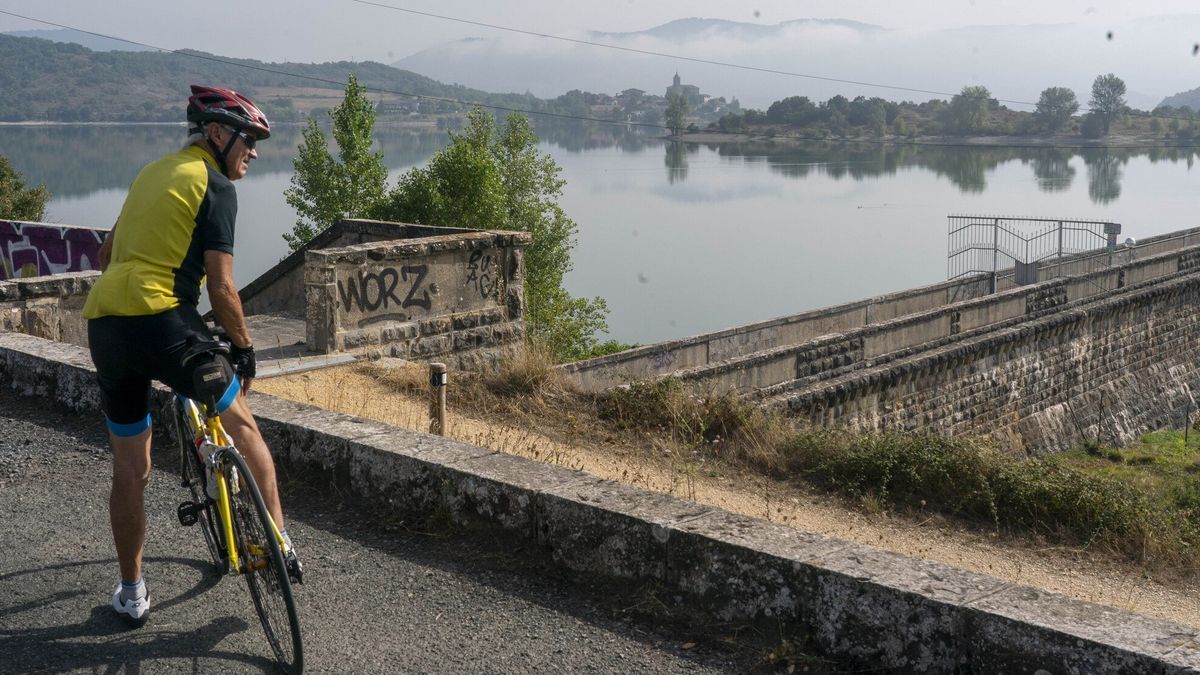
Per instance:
(969,110)
(1093,126)
(1055,108)
(796,110)
(325,189)
(731,122)
(1108,100)
(677,109)
(495,178)
(16,201)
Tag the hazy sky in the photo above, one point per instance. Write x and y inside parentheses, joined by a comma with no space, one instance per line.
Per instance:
(327,30)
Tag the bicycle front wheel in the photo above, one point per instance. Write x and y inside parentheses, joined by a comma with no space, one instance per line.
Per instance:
(261,563)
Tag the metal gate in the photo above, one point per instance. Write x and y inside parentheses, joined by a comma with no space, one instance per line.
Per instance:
(1020,251)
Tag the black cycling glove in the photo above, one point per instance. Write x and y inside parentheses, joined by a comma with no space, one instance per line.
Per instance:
(242,359)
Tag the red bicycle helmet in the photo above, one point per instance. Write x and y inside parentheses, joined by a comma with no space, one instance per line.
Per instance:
(226,106)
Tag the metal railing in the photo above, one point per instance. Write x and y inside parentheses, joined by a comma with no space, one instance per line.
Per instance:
(1021,251)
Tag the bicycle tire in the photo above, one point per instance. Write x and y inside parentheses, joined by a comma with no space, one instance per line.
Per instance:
(266,574)
(196,480)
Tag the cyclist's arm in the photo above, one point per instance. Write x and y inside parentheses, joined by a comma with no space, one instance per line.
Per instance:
(222,292)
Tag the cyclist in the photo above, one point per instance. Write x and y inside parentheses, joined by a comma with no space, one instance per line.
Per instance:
(176,228)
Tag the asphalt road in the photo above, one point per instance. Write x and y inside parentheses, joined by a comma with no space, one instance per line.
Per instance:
(378,597)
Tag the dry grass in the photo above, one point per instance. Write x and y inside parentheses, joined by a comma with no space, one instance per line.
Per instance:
(397,392)
(668,436)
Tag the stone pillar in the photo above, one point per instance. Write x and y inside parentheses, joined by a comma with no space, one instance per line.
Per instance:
(320,303)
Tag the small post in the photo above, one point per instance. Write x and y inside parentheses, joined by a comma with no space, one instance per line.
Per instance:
(437,398)
(1187,421)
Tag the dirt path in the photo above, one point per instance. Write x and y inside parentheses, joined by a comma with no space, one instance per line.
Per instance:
(1081,574)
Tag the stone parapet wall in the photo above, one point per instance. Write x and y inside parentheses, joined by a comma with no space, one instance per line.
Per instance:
(665,358)
(43,249)
(756,342)
(1106,369)
(49,307)
(455,295)
(773,372)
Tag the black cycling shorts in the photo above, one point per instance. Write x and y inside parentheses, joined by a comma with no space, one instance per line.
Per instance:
(130,351)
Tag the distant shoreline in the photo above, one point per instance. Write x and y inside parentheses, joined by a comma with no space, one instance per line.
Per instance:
(1110,141)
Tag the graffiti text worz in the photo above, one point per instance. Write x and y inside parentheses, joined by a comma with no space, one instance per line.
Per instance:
(369,291)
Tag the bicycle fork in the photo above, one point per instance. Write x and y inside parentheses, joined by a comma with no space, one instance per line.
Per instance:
(254,560)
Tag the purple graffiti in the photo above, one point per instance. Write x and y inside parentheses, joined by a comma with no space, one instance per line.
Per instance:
(663,359)
(40,249)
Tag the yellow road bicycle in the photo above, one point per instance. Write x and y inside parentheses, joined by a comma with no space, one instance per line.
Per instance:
(241,536)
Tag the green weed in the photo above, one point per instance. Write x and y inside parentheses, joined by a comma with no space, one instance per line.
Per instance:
(1141,502)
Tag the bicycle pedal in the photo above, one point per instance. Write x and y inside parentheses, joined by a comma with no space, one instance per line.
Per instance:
(189,513)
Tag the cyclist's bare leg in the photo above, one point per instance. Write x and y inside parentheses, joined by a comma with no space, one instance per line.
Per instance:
(126,506)
(240,424)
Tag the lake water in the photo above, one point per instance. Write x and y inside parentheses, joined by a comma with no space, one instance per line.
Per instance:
(688,239)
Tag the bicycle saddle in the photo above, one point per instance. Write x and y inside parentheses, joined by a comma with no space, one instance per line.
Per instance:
(198,346)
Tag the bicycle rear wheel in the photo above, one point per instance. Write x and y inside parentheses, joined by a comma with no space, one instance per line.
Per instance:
(262,565)
(196,480)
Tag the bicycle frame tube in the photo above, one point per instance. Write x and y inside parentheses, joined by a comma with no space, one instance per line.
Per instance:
(226,519)
(218,432)
(192,413)
(215,431)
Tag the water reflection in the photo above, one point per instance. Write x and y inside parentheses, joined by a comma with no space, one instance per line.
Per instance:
(1052,169)
(1104,174)
(676,160)
(966,168)
(79,160)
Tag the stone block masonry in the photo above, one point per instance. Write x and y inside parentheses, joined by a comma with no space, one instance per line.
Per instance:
(1105,369)
(459,296)
(873,609)
(47,307)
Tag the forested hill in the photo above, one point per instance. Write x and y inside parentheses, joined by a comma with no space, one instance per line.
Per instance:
(51,81)
(1190,99)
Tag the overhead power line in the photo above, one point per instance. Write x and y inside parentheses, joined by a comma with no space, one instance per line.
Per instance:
(566,116)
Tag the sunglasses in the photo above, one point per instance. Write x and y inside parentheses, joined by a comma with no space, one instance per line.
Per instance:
(249,140)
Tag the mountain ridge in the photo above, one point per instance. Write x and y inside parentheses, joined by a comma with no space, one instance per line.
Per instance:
(58,81)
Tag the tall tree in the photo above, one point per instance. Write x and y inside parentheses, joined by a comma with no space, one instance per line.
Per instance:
(1055,108)
(325,189)
(1108,100)
(970,110)
(677,109)
(16,201)
(495,178)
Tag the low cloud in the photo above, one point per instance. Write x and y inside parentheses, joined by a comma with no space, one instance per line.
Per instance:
(1153,56)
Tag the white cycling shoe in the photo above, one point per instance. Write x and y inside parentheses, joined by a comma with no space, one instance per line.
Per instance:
(133,612)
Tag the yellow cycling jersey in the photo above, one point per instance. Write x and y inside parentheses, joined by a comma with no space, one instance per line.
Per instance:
(178,207)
